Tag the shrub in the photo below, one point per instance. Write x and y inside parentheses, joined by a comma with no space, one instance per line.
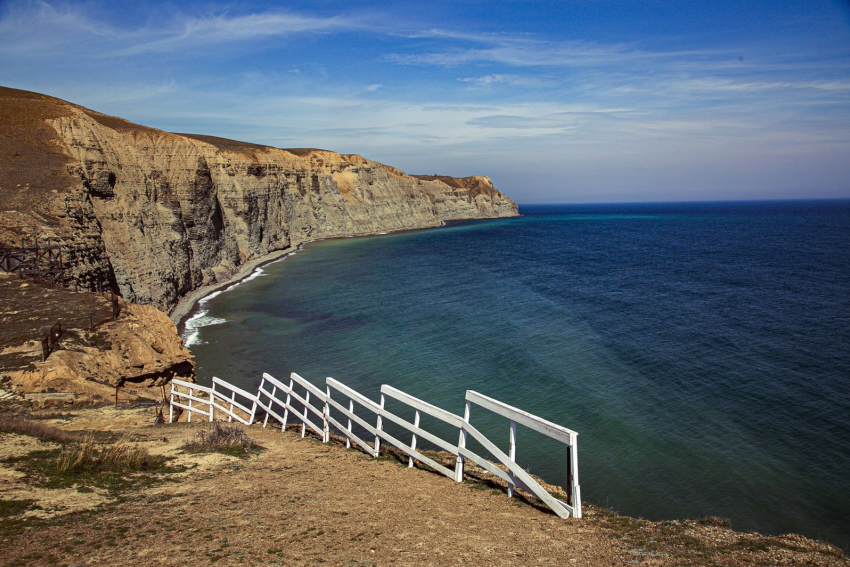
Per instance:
(223,438)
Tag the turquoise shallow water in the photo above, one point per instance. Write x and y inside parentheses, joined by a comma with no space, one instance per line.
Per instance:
(702,351)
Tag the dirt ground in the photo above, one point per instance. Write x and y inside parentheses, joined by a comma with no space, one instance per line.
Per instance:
(304,502)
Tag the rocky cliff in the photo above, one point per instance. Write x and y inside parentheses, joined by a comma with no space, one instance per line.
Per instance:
(155,215)
(97,350)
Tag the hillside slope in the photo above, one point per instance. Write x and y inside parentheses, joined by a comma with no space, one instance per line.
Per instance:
(155,215)
(302,502)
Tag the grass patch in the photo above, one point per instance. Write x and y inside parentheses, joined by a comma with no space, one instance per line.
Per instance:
(229,439)
(113,466)
(35,429)
(89,457)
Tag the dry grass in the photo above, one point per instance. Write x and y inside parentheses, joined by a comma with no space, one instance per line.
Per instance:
(9,424)
(223,438)
(88,456)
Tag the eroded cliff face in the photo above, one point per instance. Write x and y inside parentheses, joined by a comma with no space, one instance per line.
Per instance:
(159,214)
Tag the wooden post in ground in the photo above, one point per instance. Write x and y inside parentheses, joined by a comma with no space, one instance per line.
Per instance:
(274,391)
(574,488)
(348,438)
(379,426)
(461,444)
(304,425)
(286,407)
(512,455)
(116,395)
(326,413)
(413,440)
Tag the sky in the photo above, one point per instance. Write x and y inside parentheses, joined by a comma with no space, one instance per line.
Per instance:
(558,102)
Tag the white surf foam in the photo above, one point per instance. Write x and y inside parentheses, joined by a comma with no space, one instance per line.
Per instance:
(192,328)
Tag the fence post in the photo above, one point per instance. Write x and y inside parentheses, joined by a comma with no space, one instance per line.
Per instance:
(274,391)
(572,477)
(379,425)
(254,409)
(348,438)
(212,407)
(512,455)
(171,406)
(304,425)
(461,444)
(189,417)
(232,399)
(286,407)
(326,412)
(413,440)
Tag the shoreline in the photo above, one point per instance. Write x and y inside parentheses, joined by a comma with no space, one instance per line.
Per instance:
(188,305)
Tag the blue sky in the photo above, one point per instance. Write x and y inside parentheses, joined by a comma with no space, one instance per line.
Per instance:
(586,101)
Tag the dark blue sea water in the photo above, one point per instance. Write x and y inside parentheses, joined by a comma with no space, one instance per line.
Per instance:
(702,351)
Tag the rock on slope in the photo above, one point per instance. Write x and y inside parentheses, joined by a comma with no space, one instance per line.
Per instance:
(157,215)
(137,351)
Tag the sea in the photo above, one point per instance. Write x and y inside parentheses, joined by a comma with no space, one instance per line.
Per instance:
(700,350)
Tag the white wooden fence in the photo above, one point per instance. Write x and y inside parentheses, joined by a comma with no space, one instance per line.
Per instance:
(319,410)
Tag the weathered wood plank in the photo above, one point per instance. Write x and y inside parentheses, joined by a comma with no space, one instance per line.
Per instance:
(443,444)
(423,406)
(193,398)
(354,417)
(233,402)
(416,454)
(275,381)
(365,446)
(523,476)
(308,386)
(192,385)
(232,414)
(306,402)
(191,409)
(270,411)
(354,395)
(233,388)
(531,421)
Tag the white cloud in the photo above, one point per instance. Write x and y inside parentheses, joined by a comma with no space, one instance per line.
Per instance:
(224,29)
(512,80)
(40,27)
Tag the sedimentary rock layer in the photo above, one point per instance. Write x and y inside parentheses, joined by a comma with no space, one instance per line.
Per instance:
(155,215)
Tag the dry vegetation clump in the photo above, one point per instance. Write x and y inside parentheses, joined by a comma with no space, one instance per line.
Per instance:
(230,439)
(88,456)
(15,424)
(82,460)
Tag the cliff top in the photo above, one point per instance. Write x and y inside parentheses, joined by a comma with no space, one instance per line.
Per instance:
(302,502)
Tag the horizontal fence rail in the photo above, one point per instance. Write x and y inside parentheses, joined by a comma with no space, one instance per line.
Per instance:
(337,406)
(209,398)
